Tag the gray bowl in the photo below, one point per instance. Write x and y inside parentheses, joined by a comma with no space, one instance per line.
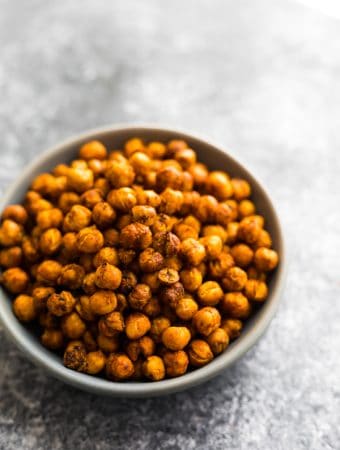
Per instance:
(215,158)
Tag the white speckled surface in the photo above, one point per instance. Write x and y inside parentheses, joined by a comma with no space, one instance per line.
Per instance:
(260,77)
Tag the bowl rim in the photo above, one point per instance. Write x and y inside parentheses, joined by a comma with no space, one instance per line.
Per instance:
(36,352)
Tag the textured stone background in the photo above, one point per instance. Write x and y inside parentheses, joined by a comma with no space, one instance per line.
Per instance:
(260,77)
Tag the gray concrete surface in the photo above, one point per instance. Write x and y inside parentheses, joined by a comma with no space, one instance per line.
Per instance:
(260,77)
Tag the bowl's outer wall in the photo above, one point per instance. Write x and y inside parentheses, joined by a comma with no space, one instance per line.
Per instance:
(216,159)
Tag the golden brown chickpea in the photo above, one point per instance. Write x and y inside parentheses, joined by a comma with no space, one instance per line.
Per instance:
(89,240)
(265,259)
(187,183)
(232,327)
(107,344)
(184,231)
(48,272)
(254,274)
(233,208)
(91,197)
(189,201)
(60,170)
(48,185)
(137,325)
(173,262)
(158,326)
(77,218)
(246,208)
(170,295)
(163,223)
(108,276)
(48,320)
(186,308)
(52,339)
(171,201)
(50,218)
(150,260)
(61,304)
(30,249)
(73,327)
(223,214)
(218,341)
(71,276)
(199,173)
(186,157)
(174,146)
(133,145)
(256,290)
(166,243)
(112,324)
(119,367)
(235,279)
(263,240)
(219,266)
(98,168)
(123,221)
(122,303)
(95,362)
(140,162)
(151,279)
(75,356)
(232,230)
(144,214)
(89,341)
(213,246)
(176,363)
(70,244)
(147,198)
(126,257)
(123,199)
(103,302)
(219,185)
(24,309)
(50,241)
(152,308)
(153,368)
(129,281)
(210,293)
(242,254)
(16,213)
(39,205)
(199,353)
(136,236)
(168,276)
(40,296)
(168,177)
(79,164)
(236,305)
(117,155)
(241,188)
(11,233)
(120,174)
(156,150)
(106,255)
(207,320)
(248,230)
(10,257)
(93,149)
(205,209)
(144,346)
(15,280)
(111,237)
(80,179)
(192,251)
(140,296)
(83,308)
(103,186)
(176,338)
(215,230)
(191,278)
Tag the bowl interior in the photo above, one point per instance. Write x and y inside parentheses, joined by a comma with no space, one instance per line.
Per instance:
(215,158)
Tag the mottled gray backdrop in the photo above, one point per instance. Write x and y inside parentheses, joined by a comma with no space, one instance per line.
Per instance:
(262,78)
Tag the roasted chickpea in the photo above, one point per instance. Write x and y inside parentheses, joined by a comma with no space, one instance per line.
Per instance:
(136,236)
(191,278)
(89,341)
(153,368)
(102,185)
(233,208)
(75,356)
(218,341)
(11,233)
(144,214)
(156,150)
(150,260)
(218,267)
(189,200)
(10,257)
(265,259)
(140,162)
(219,185)
(80,179)
(71,276)
(215,230)
(52,339)
(213,246)
(171,201)
(207,320)
(77,218)
(50,241)
(133,145)
(61,304)
(166,243)
(199,353)
(168,276)
(210,293)
(24,308)
(123,221)
(119,367)
(111,324)
(139,296)
(173,263)
(232,327)
(263,240)
(48,272)
(176,338)
(40,296)
(89,240)
(186,308)
(199,173)
(107,344)
(176,363)
(186,157)
(144,346)
(106,255)
(16,213)
(120,174)
(192,251)
(223,214)
(91,198)
(152,308)
(152,280)
(241,189)
(249,230)
(174,146)
(184,231)
(235,279)
(168,177)
(246,208)
(95,362)
(170,295)
(73,326)
(256,290)
(15,280)
(103,302)
(137,325)
(111,237)
(158,326)
(83,308)
(242,254)
(205,209)
(93,149)
(255,274)
(236,305)
(49,185)
(126,257)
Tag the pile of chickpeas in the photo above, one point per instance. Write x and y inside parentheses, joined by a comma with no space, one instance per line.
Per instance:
(138,263)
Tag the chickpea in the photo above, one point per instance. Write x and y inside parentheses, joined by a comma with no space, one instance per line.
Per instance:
(256,290)
(184,231)
(49,185)
(40,296)
(83,308)
(75,356)
(176,363)
(190,199)
(152,308)
(98,168)
(171,201)
(140,162)
(71,276)
(168,177)
(199,353)
(119,367)
(241,189)
(123,199)
(50,218)
(242,254)
(129,281)
(206,208)
(48,272)
(191,278)
(153,368)
(206,320)
(126,257)
(61,304)
(133,145)
(112,324)
(249,230)
(265,259)
(224,214)
(186,157)
(73,326)
(156,150)
(172,294)
(158,326)
(95,362)
(213,246)
(236,305)
(117,155)
(163,223)
(10,257)
(144,214)
(80,179)
(50,241)
(123,221)
(120,174)
(16,213)
(148,198)
(137,325)
(254,274)
(199,173)
(122,303)
(11,233)
(215,230)
(106,255)
(168,276)
(111,237)
(219,185)
(15,280)
(108,344)
(219,266)
(89,240)
(166,243)
(192,251)
(210,293)
(24,308)
(235,279)
(176,338)
(91,198)
(89,341)
(30,249)
(108,276)
(263,240)
(175,145)
(186,308)
(246,208)
(152,280)
(103,186)
(93,149)
(48,320)
(173,263)
(52,339)
(233,208)
(150,260)
(140,296)
(144,346)
(232,327)
(77,218)
(136,236)
(218,341)
(103,302)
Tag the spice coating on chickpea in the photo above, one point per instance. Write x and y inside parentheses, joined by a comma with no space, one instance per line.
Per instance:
(139,263)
